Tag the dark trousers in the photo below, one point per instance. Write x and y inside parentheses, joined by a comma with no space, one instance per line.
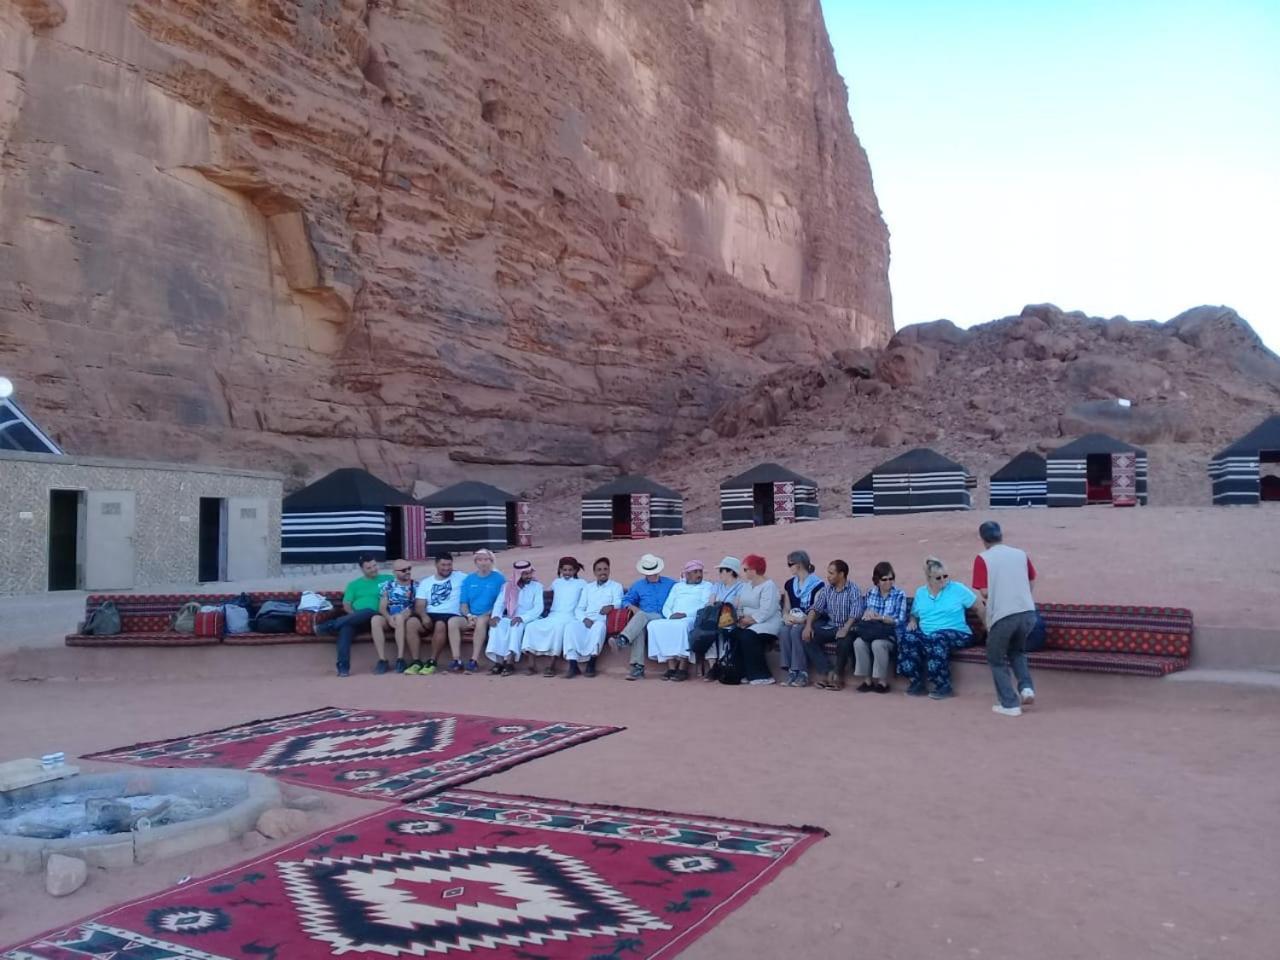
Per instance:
(347,627)
(824,632)
(748,652)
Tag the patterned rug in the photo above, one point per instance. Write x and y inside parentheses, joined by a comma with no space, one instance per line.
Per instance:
(377,754)
(466,873)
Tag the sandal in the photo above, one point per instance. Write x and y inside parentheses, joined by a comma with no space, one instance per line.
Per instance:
(549,672)
(508,669)
(864,687)
(496,670)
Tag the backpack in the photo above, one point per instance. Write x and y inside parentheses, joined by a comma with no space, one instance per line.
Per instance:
(1036,638)
(184,621)
(726,669)
(104,621)
(236,614)
(276,616)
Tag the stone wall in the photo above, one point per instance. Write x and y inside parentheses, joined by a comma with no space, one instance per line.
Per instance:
(497,239)
(166,538)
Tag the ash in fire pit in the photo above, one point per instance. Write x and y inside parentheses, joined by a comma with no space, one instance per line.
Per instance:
(120,818)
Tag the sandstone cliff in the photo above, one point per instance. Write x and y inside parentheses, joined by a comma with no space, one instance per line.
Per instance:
(424,236)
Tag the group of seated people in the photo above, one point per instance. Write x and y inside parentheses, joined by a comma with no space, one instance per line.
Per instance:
(722,624)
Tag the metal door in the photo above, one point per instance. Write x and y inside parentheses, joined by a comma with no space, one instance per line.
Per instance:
(109,527)
(247,538)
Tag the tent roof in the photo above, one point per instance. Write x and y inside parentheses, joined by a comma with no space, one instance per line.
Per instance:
(630,483)
(863,483)
(19,432)
(468,493)
(346,488)
(1093,443)
(1027,465)
(765,473)
(920,460)
(1265,436)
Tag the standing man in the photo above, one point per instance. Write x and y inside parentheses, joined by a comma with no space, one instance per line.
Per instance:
(439,601)
(1003,575)
(479,593)
(835,610)
(644,600)
(584,637)
(360,603)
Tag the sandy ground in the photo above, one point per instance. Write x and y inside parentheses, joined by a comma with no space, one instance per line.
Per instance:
(1122,818)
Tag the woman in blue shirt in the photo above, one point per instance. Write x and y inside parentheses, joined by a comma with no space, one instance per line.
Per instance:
(937,626)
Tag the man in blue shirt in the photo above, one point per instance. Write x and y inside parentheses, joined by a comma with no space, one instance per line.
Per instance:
(644,600)
(479,594)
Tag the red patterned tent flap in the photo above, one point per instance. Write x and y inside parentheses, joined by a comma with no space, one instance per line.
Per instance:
(524,524)
(639,516)
(1124,479)
(414,546)
(784,502)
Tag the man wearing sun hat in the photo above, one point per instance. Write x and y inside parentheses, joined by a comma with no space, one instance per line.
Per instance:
(669,637)
(645,600)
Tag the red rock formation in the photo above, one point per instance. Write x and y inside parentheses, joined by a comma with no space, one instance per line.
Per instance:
(422,235)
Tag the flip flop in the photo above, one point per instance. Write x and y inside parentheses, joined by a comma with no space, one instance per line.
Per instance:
(549,672)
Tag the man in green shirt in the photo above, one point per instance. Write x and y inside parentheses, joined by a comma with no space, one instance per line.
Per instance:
(360,606)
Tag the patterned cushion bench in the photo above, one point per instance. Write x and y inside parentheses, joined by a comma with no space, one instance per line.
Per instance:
(144,621)
(1141,641)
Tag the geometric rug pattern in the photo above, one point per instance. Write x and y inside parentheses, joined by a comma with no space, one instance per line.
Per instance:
(377,754)
(461,873)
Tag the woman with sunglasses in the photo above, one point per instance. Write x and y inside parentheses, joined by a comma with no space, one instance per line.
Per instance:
(937,626)
(883,621)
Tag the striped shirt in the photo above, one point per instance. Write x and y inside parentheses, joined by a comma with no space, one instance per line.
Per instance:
(838,607)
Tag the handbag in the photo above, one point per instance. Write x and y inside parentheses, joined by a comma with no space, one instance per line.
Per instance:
(184,621)
(616,620)
(104,621)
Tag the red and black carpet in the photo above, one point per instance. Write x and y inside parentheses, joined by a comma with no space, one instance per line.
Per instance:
(377,754)
(464,873)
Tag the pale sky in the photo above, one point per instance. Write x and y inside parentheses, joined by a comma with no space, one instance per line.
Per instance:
(1115,158)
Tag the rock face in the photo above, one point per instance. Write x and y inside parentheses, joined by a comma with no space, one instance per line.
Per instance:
(422,236)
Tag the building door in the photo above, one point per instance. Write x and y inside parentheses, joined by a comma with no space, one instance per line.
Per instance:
(65,508)
(108,539)
(247,537)
(213,541)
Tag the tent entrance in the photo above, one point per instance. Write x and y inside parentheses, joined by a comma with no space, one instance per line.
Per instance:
(620,513)
(1097,478)
(1269,475)
(513,524)
(213,540)
(762,505)
(66,512)
(394,546)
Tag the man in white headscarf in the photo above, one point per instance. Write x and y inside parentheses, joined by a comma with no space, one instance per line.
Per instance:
(669,636)
(519,603)
(584,637)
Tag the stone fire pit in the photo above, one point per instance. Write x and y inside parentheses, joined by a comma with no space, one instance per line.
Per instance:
(118,819)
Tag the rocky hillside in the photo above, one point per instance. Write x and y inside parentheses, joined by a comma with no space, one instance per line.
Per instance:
(981,396)
(432,238)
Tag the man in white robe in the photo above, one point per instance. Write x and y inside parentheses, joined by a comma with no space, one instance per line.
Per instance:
(669,636)
(545,637)
(584,636)
(519,604)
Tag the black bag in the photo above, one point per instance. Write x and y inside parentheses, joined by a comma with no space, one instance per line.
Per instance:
(1036,638)
(276,616)
(104,621)
(726,669)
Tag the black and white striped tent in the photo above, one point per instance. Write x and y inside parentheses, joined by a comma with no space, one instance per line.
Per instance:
(471,515)
(19,432)
(1096,469)
(766,495)
(862,500)
(631,508)
(920,481)
(348,514)
(1249,470)
(1020,482)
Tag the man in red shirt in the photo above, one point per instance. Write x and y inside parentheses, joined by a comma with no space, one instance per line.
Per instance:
(1003,575)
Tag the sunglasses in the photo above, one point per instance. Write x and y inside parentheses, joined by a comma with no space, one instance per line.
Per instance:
(940,576)
(404,569)
(888,579)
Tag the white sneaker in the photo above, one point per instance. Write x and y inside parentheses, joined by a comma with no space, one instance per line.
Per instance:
(1007,711)
(1027,695)
(763,682)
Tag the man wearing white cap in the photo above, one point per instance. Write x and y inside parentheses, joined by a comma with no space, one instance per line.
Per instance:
(584,637)
(669,637)
(645,600)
